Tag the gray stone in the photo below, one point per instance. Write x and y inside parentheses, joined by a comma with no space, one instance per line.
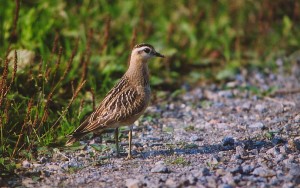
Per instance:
(263,172)
(278,140)
(247,169)
(261,108)
(204,172)
(257,125)
(246,106)
(26,164)
(171,183)
(160,167)
(239,150)
(228,179)
(274,151)
(228,141)
(225,94)
(195,138)
(236,169)
(225,186)
(133,183)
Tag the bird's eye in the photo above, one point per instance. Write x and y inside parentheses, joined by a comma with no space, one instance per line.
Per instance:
(147,50)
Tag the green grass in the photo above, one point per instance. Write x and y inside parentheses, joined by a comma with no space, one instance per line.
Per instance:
(82,47)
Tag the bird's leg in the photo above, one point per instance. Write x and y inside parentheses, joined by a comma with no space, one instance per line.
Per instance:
(117,140)
(130,143)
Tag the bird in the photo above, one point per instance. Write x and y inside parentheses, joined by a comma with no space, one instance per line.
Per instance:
(125,102)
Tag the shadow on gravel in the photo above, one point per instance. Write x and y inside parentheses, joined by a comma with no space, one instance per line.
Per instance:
(209,149)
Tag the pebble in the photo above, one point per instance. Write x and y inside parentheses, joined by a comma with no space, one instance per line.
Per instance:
(262,172)
(225,186)
(239,150)
(228,141)
(133,183)
(246,106)
(261,108)
(247,169)
(171,183)
(236,169)
(195,138)
(160,167)
(26,164)
(274,151)
(204,172)
(278,140)
(225,94)
(257,125)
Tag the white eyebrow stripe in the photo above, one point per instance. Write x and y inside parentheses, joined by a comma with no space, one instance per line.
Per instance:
(141,48)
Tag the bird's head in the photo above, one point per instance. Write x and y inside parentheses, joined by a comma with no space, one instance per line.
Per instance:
(144,52)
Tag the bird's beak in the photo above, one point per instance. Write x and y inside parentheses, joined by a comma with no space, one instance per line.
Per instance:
(158,54)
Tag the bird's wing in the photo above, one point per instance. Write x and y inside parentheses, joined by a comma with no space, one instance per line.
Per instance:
(121,103)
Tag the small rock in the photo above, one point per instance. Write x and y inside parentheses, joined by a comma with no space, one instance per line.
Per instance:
(257,125)
(247,169)
(261,108)
(195,138)
(211,181)
(295,171)
(279,158)
(297,119)
(191,180)
(296,144)
(283,149)
(288,185)
(228,141)
(53,167)
(204,172)
(214,160)
(171,183)
(133,183)
(228,178)
(26,164)
(225,94)
(220,172)
(43,160)
(274,151)
(246,106)
(278,140)
(222,125)
(28,182)
(262,172)
(236,169)
(225,186)
(160,168)
(239,150)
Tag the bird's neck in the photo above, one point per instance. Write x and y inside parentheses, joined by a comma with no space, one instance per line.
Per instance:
(138,72)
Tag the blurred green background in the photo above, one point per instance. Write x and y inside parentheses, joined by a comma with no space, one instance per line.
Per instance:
(202,41)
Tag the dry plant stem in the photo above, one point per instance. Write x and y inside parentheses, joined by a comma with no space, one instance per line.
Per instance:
(57,64)
(67,108)
(13,73)
(13,34)
(23,126)
(132,43)
(106,34)
(3,83)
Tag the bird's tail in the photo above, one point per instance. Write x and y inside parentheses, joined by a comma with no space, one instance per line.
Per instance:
(74,138)
(71,141)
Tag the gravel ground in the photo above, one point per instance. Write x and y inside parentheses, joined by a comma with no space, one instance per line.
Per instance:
(205,137)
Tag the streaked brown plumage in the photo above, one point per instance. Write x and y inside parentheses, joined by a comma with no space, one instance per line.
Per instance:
(125,102)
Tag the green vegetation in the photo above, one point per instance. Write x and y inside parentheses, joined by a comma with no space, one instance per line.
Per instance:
(70,53)
(178,161)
